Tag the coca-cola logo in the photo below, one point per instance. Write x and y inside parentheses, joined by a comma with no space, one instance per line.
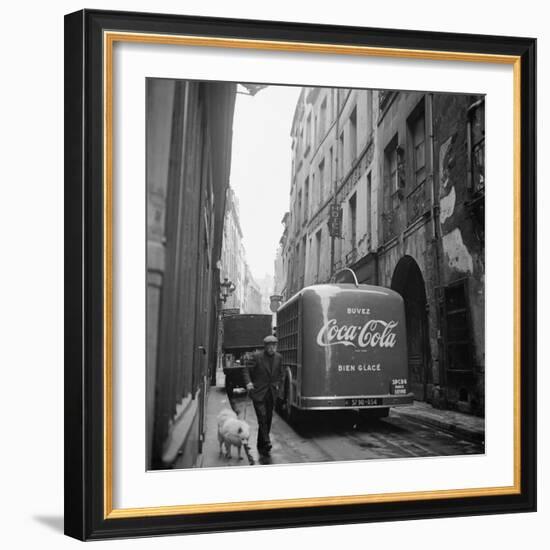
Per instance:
(373,333)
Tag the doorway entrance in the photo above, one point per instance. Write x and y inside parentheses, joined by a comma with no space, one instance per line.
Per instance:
(408,281)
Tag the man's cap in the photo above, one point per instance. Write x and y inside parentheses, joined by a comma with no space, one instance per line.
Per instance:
(270,340)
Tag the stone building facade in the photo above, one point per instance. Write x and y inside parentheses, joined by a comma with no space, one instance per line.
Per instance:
(232,264)
(391,185)
(280,270)
(247,296)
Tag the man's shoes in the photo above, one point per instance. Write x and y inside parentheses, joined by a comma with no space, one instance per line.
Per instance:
(265,451)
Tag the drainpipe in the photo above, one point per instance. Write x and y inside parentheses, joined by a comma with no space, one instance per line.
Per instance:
(436,239)
(435,209)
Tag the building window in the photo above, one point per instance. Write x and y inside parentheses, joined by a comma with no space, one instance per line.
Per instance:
(318,254)
(342,92)
(416,140)
(315,130)
(417,133)
(331,171)
(303,260)
(314,194)
(352,137)
(391,184)
(369,112)
(322,182)
(308,134)
(384,97)
(391,191)
(341,156)
(458,333)
(323,119)
(476,138)
(299,210)
(296,267)
(369,205)
(306,199)
(353,220)
(309,275)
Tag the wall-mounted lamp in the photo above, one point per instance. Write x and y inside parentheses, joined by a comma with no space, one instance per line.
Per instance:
(275,302)
(227,289)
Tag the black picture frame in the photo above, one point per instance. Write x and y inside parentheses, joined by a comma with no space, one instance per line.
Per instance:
(85,494)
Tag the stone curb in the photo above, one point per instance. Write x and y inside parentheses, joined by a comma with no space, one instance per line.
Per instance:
(473,434)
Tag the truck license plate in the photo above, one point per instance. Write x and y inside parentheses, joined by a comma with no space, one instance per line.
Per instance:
(362,402)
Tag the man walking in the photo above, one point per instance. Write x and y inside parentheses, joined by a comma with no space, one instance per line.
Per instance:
(263,378)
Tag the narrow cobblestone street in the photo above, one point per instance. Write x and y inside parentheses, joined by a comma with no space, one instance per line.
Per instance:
(414,431)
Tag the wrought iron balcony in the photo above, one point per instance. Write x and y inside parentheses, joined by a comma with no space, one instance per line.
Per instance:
(384,97)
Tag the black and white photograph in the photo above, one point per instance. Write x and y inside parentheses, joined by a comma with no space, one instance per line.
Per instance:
(315,274)
(255,287)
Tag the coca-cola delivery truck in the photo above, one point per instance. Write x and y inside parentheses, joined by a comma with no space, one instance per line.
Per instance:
(344,346)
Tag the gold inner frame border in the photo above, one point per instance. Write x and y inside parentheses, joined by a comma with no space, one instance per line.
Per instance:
(109,39)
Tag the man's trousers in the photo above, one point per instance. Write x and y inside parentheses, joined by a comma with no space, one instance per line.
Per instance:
(264,414)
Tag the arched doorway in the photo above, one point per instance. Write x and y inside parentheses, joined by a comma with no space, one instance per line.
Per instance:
(408,281)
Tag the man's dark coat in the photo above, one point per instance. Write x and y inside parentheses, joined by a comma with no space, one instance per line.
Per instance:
(266,373)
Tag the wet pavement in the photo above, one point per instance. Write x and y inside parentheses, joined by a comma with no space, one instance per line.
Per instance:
(415,431)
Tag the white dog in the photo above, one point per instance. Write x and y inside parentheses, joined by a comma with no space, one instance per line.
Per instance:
(223,415)
(232,431)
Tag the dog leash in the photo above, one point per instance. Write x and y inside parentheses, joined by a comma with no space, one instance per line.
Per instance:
(249,455)
(251,460)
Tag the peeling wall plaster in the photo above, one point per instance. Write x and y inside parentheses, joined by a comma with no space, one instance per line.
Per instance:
(447,206)
(443,172)
(458,256)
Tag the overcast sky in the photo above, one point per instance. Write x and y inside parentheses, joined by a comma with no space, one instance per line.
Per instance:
(260,170)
